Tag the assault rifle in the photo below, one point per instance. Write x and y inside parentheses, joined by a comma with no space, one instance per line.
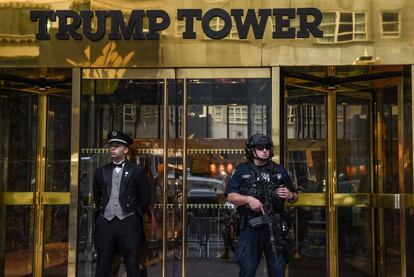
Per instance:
(268,214)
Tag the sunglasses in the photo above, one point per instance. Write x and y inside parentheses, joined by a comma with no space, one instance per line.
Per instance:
(263,147)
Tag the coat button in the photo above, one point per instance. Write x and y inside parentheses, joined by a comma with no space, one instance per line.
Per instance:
(127,205)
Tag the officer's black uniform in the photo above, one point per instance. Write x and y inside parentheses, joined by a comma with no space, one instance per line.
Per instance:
(123,234)
(253,241)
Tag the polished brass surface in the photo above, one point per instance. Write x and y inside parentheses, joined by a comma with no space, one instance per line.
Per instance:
(165,181)
(19,48)
(352,199)
(402,161)
(127,73)
(310,200)
(184,176)
(55,198)
(276,90)
(74,171)
(218,73)
(332,185)
(40,181)
(17,198)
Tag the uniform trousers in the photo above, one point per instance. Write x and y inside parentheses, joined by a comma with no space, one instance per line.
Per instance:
(253,242)
(123,236)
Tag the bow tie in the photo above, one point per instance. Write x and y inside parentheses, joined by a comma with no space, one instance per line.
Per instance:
(114,165)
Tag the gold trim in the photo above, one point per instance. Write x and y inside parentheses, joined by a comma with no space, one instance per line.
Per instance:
(172,152)
(40,184)
(332,215)
(74,172)
(276,120)
(219,73)
(352,199)
(17,198)
(55,198)
(401,161)
(131,73)
(165,181)
(310,200)
(184,190)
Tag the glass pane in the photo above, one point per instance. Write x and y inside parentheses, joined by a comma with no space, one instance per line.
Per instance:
(223,113)
(354,241)
(306,160)
(244,108)
(390,17)
(408,132)
(328,17)
(409,241)
(311,242)
(345,28)
(353,143)
(389,136)
(392,240)
(345,17)
(18,125)
(390,27)
(306,139)
(133,106)
(347,37)
(16,240)
(56,228)
(58,143)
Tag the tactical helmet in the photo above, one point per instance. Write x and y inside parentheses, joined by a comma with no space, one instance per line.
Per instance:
(256,140)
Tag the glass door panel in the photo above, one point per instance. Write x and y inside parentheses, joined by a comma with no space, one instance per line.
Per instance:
(306,153)
(19,126)
(57,186)
(133,104)
(353,152)
(225,107)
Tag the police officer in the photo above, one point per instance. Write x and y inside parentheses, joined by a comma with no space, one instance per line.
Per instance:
(121,196)
(242,191)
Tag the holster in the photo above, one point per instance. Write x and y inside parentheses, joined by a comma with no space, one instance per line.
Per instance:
(240,221)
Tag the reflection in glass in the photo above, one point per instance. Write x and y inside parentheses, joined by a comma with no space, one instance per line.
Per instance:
(18,125)
(306,139)
(228,108)
(223,113)
(16,242)
(389,116)
(55,231)
(354,241)
(58,143)
(311,242)
(353,144)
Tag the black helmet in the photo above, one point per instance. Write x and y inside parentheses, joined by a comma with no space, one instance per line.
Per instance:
(256,140)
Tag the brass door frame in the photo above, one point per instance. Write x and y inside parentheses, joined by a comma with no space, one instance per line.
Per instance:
(331,200)
(111,73)
(209,73)
(39,198)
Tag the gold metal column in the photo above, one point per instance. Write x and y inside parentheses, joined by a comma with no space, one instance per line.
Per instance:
(380,174)
(401,161)
(165,182)
(332,213)
(184,207)
(276,127)
(40,184)
(74,171)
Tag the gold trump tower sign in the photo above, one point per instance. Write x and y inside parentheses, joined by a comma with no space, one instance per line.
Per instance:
(77,26)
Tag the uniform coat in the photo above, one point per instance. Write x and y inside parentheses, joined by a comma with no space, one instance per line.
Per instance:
(124,236)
